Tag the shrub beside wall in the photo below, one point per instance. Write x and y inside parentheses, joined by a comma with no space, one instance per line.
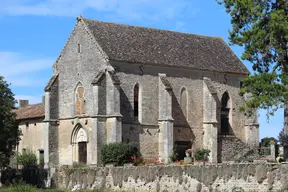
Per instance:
(202,154)
(119,154)
(27,158)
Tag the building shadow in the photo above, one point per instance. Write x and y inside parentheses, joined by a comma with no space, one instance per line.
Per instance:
(183,134)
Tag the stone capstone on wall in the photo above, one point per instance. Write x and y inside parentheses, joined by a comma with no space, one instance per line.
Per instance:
(247,177)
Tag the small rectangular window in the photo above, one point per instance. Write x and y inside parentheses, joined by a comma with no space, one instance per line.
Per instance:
(79,48)
(136,101)
(41,156)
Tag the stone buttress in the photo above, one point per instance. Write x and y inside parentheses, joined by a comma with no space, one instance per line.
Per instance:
(51,123)
(210,124)
(107,120)
(165,119)
(251,127)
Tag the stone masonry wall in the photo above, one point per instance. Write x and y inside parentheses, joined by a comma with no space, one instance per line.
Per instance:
(244,177)
(35,131)
(229,147)
(145,136)
(192,80)
(74,67)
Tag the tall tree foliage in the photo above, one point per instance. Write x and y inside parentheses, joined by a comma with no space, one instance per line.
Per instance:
(9,132)
(261,26)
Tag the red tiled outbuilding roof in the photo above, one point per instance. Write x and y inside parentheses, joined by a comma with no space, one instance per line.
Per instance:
(30,112)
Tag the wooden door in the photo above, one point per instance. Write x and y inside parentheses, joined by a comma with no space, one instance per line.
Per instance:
(82,152)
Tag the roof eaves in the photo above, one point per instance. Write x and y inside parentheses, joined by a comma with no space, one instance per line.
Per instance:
(51,82)
(182,67)
(234,55)
(31,118)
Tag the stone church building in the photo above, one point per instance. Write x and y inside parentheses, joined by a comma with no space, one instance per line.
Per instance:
(163,90)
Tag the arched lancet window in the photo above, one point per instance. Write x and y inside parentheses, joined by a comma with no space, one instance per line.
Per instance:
(225,109)
(136,101)
(184,101)
(80,99)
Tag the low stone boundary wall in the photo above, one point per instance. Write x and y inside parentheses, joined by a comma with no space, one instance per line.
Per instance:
(234,177)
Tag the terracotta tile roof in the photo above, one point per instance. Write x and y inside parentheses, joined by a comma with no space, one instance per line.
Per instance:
(30,112)
(162,47)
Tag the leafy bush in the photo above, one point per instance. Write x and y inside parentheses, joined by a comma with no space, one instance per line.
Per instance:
(202,154)
(41,160)
(7,176)
(173,156)
(119,154)
(27,158)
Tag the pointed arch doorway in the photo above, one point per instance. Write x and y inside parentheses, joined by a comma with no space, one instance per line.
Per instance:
(79,142)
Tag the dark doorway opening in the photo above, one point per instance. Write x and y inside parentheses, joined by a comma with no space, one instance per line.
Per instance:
(82,151)
(225,109)
(181,147)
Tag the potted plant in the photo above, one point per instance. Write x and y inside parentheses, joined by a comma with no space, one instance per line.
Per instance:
(173,157)
(283,139)
(201,156)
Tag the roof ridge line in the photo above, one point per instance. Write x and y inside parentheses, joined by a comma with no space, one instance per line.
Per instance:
(124,42)
(29,105)
(152,28)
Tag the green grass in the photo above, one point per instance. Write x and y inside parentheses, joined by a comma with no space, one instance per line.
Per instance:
(29,188)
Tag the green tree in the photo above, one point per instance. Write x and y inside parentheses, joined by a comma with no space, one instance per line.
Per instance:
(261,26)
(9,132)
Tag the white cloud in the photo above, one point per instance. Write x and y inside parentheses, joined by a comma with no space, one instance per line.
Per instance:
(128,9)
(21,70)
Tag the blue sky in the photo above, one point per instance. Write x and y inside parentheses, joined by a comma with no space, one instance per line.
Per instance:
(33,33)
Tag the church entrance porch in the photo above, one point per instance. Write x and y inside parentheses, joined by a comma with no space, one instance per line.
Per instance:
(79,142)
